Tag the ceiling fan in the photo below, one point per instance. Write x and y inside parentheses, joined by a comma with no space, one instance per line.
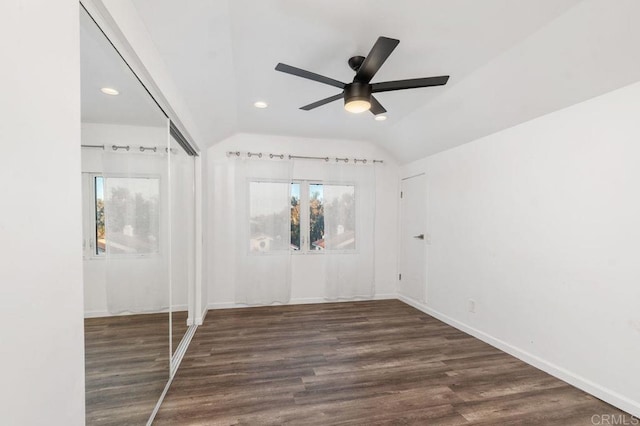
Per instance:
(358,95)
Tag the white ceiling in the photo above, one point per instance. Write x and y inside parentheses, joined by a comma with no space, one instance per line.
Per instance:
(101,66)
(509,61)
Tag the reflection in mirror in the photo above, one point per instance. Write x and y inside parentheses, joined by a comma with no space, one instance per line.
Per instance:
(181,170)
(126,237)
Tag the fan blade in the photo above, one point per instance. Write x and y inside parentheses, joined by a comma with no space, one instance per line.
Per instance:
(413,83)
(376,108)
(322,102)
(374,60)
(310,75)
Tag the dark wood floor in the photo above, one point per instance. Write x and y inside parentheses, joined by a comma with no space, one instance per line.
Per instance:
(178,328)
(360,363)
(127,366)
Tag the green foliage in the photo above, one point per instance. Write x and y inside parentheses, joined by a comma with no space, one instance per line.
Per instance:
(316,218)
(100,218)
(295,222)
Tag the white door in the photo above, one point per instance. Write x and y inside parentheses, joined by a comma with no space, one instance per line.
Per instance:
(413,250)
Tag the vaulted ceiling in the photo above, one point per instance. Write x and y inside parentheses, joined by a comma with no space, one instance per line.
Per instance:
(509,61)
(102,67)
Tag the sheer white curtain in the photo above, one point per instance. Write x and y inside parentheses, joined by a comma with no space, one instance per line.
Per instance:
(349,219)
(263,223)
(136,237)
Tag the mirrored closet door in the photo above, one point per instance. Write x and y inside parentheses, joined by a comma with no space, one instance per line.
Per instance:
(182,231)
(138,238)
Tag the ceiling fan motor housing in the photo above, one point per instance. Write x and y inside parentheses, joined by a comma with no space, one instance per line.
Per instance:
(355,62)
(357,91)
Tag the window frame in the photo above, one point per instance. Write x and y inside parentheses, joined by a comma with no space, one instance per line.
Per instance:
(248,217)
(89,238)
(355,206)
(305,219)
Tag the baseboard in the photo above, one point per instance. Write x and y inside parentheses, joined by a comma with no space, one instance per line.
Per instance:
(200,319)
(630,406)
(100,314)
(303,301)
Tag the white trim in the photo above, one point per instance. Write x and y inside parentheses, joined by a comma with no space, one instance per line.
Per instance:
(303,301)
(159,403)
(100,314)
(174,365)
(413,176)
(199,234)
(605,394)
(182,349)
(200,319)
(397,272)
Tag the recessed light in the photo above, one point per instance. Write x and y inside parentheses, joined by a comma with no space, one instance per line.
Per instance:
(109,91)
(260,104)
(380,117)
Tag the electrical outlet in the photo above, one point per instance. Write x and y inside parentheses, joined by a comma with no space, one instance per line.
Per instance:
(471,305)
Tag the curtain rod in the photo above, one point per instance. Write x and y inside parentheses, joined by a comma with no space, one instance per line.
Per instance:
(128,147)
(303,157)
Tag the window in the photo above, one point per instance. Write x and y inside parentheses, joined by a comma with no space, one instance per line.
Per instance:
(122,214)
(295,216)
(316,217)
(329,222)
(339,222)
(269,216)
(133,212)
(98,186)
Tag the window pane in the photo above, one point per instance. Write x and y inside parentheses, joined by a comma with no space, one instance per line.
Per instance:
(316,217)
(295,216)
(270,216)
(99,208)
(339,217)
(132,215)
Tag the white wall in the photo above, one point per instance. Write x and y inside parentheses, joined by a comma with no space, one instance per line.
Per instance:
(40,233)
(94,271)
(307,281)
(540,225)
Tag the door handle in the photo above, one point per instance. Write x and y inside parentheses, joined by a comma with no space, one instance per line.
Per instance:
(420,237)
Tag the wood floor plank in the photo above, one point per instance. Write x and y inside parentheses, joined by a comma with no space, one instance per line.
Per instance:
(359,363)
(127,366)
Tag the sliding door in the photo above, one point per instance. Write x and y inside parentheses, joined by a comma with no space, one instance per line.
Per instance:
(182,230)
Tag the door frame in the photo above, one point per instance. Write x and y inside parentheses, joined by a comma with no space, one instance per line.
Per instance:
(399,241)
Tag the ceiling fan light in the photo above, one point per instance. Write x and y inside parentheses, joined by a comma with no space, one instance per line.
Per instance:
(357,97)
(109,91)
(357,106)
